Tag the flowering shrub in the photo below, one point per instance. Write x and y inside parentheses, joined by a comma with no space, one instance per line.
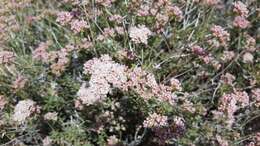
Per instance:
(129,72)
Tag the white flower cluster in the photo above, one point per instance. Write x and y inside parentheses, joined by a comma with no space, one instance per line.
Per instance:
(23,110)
(139,34)
(105,74)
(155,120)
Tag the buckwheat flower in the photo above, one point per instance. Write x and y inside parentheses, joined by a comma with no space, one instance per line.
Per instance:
(240,8)
(176,11)
(257,137)
(250,43)
(179,125)
(227,56)
(19,83)
(120,30)
(64,18)
(3,102)
(125,54)
(241,22)
(242,98)
(143,11)
(155,120)
(256,96)
(112,140)
(78,25)
(207,59)
(198,50)
(227,78)
(23,110)
(139,34)
(57,68)
(90,95)
(175,84)
(248,58)
(163,93)
(6,57)
(51,116)
(228,105)
(47,141)
(188,106)
(105,75)
(40,53)
(116,18)
(221,141)
(220,33)
(62,60)
(86,44)
(161,21)
(105,3)
(215,63)
(109,32)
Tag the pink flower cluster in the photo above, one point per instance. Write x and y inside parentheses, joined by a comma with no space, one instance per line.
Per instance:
(227,78)
(64,18)
(57,59)
(207,58)
(62,60)
(220,34)
(250,43)
(139,34)
(76,25)
(116,18)
(146,86)
(6,57)
(227,56)
(107,32)
(240,21)
(163,11)
(107,74)
(40,53)
(230,103)
(176,11)
(198,50)
(240,8)
(155,120)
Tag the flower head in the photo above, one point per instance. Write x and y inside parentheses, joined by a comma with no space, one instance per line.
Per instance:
(220,34)
(40,53)
(64,17)
(240,8)
(241,22)
(139,34)
(24,109)
(2,102)
(155,120)
(6,57)
(78,25)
